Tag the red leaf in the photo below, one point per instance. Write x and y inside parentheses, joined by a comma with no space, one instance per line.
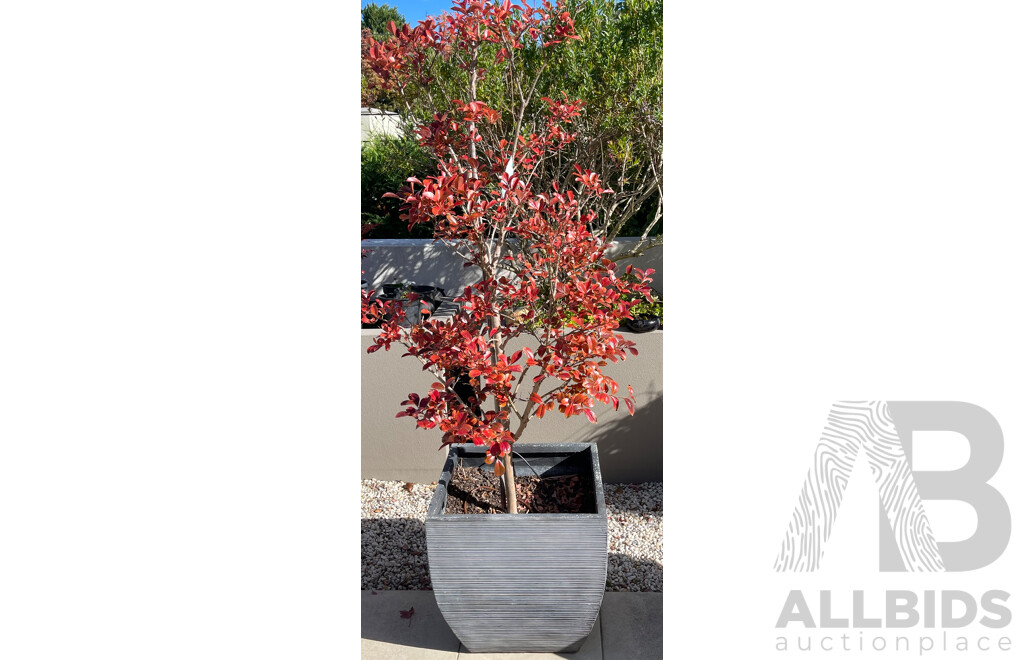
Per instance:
(536,398)
(407,614)
(630,405)
(590,415)
(499,468)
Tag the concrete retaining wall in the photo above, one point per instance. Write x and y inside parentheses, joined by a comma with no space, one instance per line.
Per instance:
(382,122)
(422,261)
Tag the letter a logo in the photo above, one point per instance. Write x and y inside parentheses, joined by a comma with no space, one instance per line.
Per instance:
(883,430)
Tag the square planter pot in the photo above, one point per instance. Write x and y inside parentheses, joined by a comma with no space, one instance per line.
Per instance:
(529,582)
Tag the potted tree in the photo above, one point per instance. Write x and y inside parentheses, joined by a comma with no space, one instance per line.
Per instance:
(518,580)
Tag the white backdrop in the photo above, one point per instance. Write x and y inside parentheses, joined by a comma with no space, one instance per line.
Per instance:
(852,232)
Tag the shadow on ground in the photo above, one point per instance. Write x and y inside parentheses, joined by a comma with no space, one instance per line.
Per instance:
(393,554)
(409,619)
(627,573)
(385,631)
(424,626)
(408,624)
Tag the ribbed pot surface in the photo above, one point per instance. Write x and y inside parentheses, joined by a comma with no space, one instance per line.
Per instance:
(525,582)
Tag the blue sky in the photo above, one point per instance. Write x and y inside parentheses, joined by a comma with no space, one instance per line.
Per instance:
(414,10)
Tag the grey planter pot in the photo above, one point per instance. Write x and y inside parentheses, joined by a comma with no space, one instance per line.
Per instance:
(525,582)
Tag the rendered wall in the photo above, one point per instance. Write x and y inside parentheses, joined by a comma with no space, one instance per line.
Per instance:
(630,448)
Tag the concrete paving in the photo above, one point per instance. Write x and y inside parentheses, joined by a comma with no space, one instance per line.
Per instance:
(630,626)
(422,636)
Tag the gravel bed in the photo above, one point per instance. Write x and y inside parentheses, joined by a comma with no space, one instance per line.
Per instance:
(394,547)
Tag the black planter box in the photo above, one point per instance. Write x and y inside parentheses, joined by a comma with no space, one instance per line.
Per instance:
(529,582)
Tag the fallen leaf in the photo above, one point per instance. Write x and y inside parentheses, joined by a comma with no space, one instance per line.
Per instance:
(407,614)
(408,486)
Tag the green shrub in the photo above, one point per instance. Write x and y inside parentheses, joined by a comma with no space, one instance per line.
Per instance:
(653,307)
(386,162)
(644,308)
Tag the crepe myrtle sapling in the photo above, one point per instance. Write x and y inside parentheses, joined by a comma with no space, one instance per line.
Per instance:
(486,206)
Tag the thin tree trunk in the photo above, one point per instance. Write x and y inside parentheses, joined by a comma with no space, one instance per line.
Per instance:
(494,321)
(510,485)
(511,505)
